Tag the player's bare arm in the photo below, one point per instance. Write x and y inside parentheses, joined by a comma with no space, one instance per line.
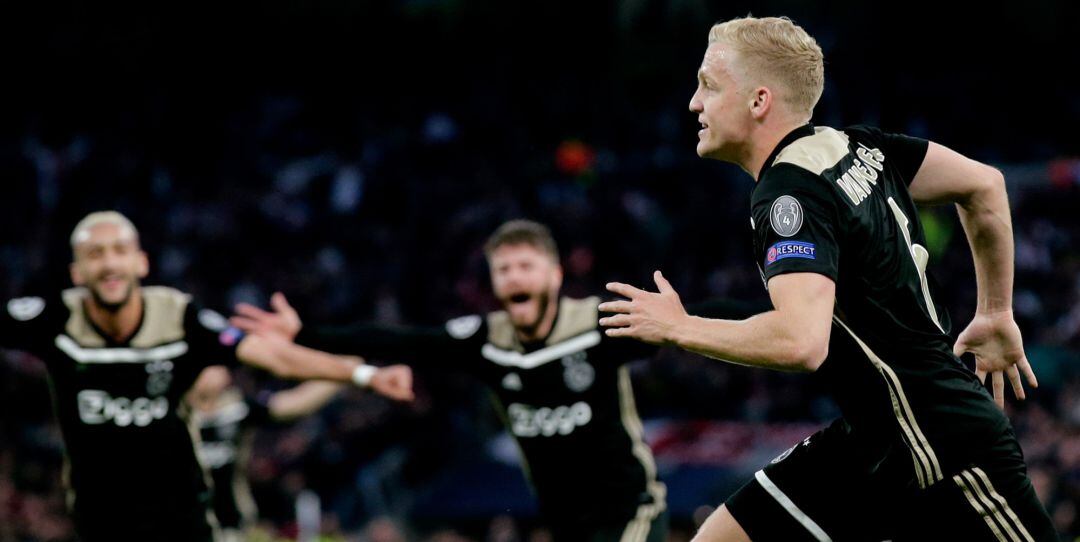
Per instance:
(792,337)
(978,191)
(289,360)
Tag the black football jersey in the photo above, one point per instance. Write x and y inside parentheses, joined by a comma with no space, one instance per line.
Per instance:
(128,447)
(836,203)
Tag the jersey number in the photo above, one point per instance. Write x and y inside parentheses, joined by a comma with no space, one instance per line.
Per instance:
(920,256)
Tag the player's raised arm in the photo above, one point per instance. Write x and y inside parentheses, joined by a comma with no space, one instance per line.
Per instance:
(792,337)
(458,340)
(978,191)
(289,360)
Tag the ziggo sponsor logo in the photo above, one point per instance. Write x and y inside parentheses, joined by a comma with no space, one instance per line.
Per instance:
(526,421)
(98,407)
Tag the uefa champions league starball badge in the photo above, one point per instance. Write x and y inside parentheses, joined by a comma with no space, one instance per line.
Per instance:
(786,216)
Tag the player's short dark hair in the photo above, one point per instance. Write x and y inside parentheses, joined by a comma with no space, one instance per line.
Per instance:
(523,232)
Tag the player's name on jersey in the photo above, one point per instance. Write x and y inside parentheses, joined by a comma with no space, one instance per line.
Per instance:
(861,177)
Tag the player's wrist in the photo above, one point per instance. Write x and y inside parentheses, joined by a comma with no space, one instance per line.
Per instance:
(994,312)
(678,334)
(363,374)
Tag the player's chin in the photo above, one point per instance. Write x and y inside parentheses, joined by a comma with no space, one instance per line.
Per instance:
(523,318)
(113,297)
(703,149)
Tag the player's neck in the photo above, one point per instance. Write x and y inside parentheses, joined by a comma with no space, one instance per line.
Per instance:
(118,324)
(768,137)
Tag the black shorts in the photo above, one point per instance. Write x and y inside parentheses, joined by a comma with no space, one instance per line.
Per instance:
(648,522)
(639,529)
(192,526)
(821,490)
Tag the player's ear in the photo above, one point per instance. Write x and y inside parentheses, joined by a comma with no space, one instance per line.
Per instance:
(761,101)
(558,276)
(143,266)
(76,275)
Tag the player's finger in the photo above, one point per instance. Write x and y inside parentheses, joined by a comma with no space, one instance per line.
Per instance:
(662,284)
(249,325)
(1017,384)
(616,306)
(618,320)
(398,393)
(619,332)
(1028,372)
(251,311)
(981,375)
(999,388)
(624,290)
(280,304)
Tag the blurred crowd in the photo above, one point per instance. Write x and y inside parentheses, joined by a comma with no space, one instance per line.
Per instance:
(371,200)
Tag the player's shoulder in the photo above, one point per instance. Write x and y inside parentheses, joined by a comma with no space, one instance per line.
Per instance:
(824,150)
(814,153)
(500,330)
(581,312)
(169,314)
(464,327)
(34,308)
(864,132)
(165,297)
(576,318)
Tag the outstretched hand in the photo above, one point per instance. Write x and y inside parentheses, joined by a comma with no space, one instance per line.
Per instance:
(282,321)
(394,382)
(646,316)
(999,350)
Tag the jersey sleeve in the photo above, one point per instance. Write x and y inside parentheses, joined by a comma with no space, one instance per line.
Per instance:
(30,323)
(796,223)
(905,153)
(455,344)
(259,409)
(211,340)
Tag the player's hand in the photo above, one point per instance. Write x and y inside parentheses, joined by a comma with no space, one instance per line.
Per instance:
(394,382)
(646,316)
(282,321)
(995,340)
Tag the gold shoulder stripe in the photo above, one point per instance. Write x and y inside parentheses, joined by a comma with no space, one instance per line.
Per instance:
(576,316)
(163,316)
(816,153)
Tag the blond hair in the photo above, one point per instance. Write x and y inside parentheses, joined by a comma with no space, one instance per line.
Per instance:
(779,52)
(82,230)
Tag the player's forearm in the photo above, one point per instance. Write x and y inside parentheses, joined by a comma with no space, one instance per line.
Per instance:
(295,362)
(984,215)
(766,340)
(302,400)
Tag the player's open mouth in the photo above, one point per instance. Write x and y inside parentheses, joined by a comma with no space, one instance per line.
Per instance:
(112,282)
(704,127)
(519,298)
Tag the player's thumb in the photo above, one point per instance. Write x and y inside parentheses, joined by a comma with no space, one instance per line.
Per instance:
(279,303)
(961,347)
(662,283)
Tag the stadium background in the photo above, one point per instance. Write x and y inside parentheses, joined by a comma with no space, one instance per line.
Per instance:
(355,154)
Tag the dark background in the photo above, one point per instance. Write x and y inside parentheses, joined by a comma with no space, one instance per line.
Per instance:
(355,155)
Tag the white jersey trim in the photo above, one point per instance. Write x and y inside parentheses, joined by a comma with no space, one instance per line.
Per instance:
(120,355)
(510,358)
